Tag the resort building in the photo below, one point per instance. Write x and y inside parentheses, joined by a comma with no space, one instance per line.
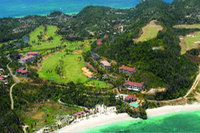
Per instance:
(22,72)
(36,54)
(130,98)
(95,56)
(27,59)
(121,96)
(134,86)
(106,64)
(99,42)
(128,70)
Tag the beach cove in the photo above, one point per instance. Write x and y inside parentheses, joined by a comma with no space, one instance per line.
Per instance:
(163,119)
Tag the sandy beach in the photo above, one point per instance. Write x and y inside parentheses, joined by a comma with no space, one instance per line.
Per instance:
(172,109)
(99,120)
(110,118)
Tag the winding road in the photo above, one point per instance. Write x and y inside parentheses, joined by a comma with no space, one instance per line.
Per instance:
(16,80)
(184,98)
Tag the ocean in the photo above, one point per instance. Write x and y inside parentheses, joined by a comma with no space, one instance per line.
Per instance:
(19,8)
(185,122)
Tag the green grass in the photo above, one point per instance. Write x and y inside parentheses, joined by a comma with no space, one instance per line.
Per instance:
(150,31)
(71,68)
(99,84)
(190,41)
(187,26)
(44,43)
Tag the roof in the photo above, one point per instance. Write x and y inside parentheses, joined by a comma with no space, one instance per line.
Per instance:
(130,97)
(134,84)
(128,68)
(105,63)
(79,113)
(99,42)
(1,78)
(28,57)
(22,71)
(33,53)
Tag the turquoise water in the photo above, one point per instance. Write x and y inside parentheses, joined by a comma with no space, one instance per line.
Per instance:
(187,122)
(18,8)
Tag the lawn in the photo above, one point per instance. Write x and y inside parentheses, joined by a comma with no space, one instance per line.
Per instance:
(98,84)
(44,38)
(189,42)
(68,65)
(187,26)
(149,32)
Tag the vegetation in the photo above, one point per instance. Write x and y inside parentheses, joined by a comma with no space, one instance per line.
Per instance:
(187,26)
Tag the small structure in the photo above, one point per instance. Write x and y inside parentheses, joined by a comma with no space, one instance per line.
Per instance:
(22,72)
(121,96)
(106,64)
(25,39)
(95,56)
(80,114)
(128,70)
(130,98)
(36,54)
(27,59)
(1,78)
(99,42)
(134,86)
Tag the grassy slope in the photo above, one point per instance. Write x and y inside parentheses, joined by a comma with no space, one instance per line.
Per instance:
(190,41)
(187,26)
(150,31)
(71,68)
(44,43)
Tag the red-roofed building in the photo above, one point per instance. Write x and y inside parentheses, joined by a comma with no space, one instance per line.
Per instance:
(128,70)
(134,86)
(106,64)
(99,42)
(22,72)
(33,54)
(27,59)
(130,98)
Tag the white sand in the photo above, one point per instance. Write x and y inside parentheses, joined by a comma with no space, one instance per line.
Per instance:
(95,121)
(114,118)
(172,109)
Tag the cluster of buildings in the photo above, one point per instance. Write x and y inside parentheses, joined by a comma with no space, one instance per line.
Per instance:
(3,78)
(29,58)
(132,86)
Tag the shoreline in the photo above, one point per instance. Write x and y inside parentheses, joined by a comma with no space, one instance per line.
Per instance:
(111,118)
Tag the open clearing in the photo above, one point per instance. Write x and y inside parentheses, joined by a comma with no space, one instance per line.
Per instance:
(187,26)
(149,32)
(191,41)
